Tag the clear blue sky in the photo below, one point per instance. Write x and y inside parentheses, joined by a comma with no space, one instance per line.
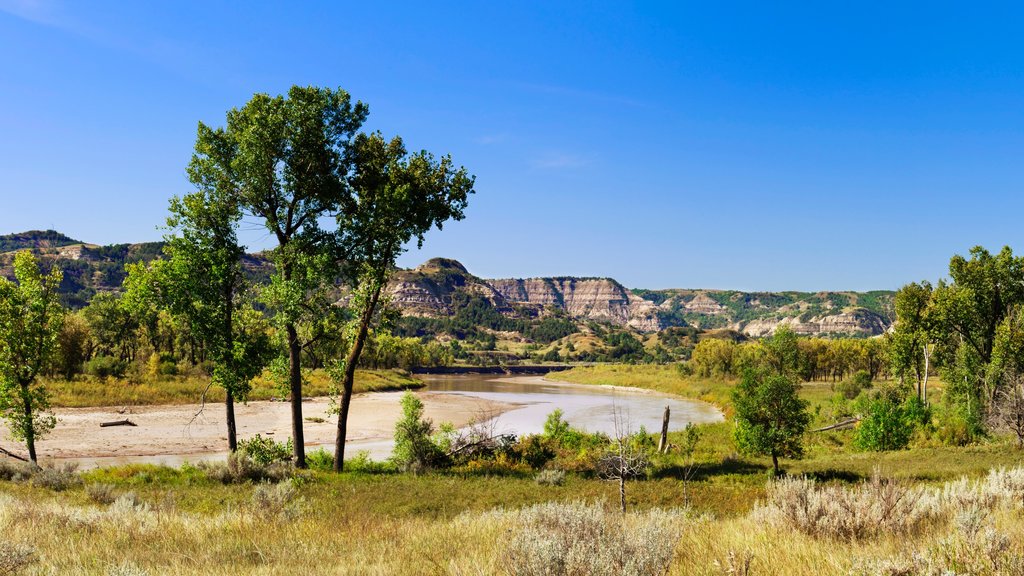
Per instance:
(749,145)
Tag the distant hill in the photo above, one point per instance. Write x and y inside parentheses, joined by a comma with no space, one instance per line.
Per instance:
(35,239)
(448,298)
(441,287)
(89,268)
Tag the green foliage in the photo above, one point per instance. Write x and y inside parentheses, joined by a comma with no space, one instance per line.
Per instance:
(30,322)
(770,418)
(889,421)
(265,451)
(415,449)
(105,367)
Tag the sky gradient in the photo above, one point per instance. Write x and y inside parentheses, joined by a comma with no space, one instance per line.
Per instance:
(710,145)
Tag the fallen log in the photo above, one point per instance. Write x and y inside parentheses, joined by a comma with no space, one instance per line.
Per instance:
(843,424)
(13,455)
(117,423)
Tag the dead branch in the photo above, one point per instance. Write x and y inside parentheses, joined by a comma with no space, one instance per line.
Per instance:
(843,424)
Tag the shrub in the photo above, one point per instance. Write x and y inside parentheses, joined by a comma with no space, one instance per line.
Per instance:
(889,423)
(105,367)
(15,558)
(556,539)
(415,450)
(101,493)
(265,451)
(56,478)
(276,501)
(551,477)
(241,467)
(534,450)
(320,459)
(876,507)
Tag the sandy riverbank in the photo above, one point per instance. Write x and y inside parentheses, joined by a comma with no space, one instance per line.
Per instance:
(169,434)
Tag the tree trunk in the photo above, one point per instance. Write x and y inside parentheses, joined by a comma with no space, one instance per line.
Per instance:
(30,427)
(348,379)
(295,379)
(229,406)
(775,462)
(622,490)
(924,384)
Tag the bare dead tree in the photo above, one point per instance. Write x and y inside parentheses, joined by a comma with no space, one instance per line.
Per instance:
(626,458)
(1006,412)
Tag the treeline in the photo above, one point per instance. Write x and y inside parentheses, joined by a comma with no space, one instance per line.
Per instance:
(818,359)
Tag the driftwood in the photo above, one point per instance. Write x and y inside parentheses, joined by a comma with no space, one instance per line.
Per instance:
(13,455)
(843,424)
(117,423)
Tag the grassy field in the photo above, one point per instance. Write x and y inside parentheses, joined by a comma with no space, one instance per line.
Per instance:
(86,391)
(156,520)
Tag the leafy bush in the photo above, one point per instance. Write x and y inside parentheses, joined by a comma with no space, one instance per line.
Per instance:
(889,423)
(320,459)
(105,367)
(415,450)
(534,450)
(265,451)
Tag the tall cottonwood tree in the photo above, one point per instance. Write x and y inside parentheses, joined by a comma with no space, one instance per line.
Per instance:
(284,160)
(396,197)
(30,323)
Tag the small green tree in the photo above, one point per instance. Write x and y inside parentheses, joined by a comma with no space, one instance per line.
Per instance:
(30,322)
(770,418)
(415,450)
(889,421)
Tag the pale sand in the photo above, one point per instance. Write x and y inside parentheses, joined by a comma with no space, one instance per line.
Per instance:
(165,434)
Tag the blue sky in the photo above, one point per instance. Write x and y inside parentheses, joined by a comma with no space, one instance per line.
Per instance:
(720,145)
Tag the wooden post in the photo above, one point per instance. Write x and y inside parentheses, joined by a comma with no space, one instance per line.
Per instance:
(663,445)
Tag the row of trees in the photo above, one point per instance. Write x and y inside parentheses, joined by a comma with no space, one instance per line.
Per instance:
(341,205)
(815,358)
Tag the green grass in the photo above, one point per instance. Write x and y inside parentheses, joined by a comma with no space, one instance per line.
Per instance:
(829,455)
(88,391)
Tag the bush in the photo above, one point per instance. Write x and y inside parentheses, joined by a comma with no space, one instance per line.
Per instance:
(556,539)
(265,451)
(105,367)
(276,501)
(889,423)
(241,467)
(101,493)
(15,557)
(873,508)
(415,450)
(550,477)
(534,450)
(320,459)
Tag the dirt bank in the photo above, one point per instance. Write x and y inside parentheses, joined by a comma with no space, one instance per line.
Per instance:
(171,434)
